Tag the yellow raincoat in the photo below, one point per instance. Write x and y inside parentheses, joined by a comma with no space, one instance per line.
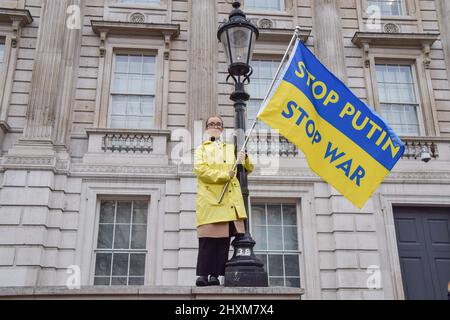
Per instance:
(212,163)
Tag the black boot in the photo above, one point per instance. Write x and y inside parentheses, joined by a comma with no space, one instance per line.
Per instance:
(202,281)
(213,280)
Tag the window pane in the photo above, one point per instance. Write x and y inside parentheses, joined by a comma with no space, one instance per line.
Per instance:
(138,236)
(258,215)
(276,282)
(103,264)
(119,281)
(147,106)
(121,83)
(140,211)
(293,282)
(263,258)
(276,265)
(274,215)
(263,4)
(134,83)
(107,212)
(137,264)
(148,84)
(290,238)
(122,236)
(291,265)
(118,122)
(121,63)
(134,106)
(105,236)
(135,64)
(388,7)
(123,212)
(119,104)
(260,236)
(275,238)
(146,122)
(149,65)
(120,264)
(101,281)
(136,281)
(289,215)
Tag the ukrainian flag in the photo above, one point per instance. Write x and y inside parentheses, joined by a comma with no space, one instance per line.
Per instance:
(344,141)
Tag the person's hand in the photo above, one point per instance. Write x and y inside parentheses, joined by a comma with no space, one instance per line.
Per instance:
(241,156)
(232,174)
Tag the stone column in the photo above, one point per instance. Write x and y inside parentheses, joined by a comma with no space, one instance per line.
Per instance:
(53,74)
(328,38)
(443,7)
(203,44)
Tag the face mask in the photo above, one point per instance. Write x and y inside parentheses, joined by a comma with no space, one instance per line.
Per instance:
(207,137)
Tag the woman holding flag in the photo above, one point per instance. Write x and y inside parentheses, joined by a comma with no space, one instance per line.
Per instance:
(217,222)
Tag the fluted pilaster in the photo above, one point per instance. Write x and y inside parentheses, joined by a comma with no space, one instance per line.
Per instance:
(328,37)
(202,86)
(444,8)
(52,81)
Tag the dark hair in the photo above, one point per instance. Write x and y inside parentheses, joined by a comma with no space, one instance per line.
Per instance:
(206,122)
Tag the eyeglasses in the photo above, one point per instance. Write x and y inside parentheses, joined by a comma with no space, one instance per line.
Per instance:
(217,125)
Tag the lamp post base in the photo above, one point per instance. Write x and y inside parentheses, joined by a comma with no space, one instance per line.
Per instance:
(245,269)
(246,276)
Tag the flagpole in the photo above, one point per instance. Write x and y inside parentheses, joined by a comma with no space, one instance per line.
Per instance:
(294,37)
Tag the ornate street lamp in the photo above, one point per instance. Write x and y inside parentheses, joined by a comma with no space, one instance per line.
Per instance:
(238,37)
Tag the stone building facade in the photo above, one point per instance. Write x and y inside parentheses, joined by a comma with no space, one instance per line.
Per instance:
(97,103)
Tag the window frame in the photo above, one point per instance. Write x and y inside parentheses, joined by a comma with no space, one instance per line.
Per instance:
(411,64)
(148,260)
(139,46)
(97,225)
(262,10)
(257,200)
(303,195)
(113,65)
(404,6)
(92,194)
(400,60)
(162,5)
(408,13)
(263,57)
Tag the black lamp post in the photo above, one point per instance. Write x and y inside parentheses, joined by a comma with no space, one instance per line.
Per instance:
(238,37)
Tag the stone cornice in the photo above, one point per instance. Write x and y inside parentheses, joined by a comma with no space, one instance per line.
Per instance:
(394,39)
(11,15)
(282,35)
(155,132)
(17,18)
(89,169)
(135,29)
(423,41)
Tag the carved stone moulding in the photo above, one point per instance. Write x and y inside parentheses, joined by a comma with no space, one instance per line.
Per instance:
(104,28)
(18,19)
(137,17)
(424,41)
(391,28)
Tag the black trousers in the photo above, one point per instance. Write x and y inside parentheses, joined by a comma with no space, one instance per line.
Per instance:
(212,256)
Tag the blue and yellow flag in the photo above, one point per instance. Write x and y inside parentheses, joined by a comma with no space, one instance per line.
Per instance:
(344,141)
